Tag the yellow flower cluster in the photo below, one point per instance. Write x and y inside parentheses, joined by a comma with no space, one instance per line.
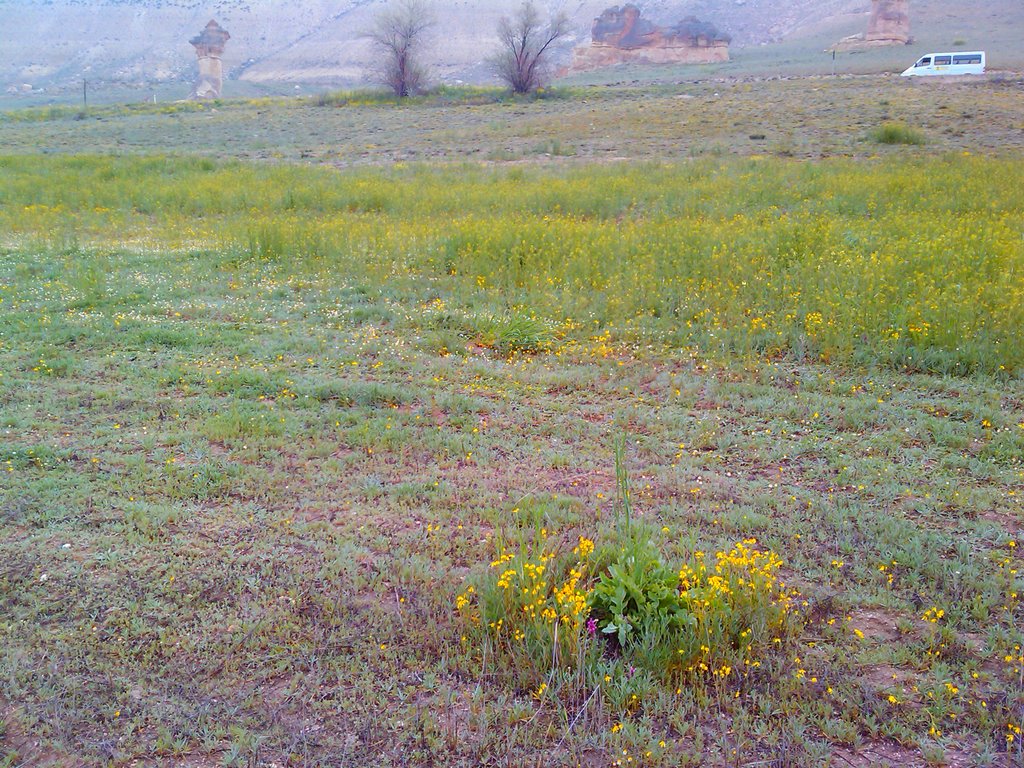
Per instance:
(742,571)
(533,592)
(571,602)
(740,590)
(688,577)
(932,615)
(585,548)
(1013,732)
(1015,661)
(463,600)
(745,564)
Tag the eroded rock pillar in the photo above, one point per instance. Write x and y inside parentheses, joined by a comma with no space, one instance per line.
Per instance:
(209,45)
(889,22)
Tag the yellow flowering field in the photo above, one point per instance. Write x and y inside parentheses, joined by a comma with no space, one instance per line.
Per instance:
(912,264)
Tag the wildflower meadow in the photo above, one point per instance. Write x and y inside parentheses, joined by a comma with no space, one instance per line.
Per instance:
(540,459)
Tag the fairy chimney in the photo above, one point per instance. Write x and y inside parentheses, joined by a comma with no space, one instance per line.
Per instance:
(889,22)
(209,45)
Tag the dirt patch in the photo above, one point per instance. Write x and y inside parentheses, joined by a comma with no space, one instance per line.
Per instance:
(876,624)
(1014,524)
(887,754)
(29,751)
(497,479)
(197,761)
(883,677)
(879,754)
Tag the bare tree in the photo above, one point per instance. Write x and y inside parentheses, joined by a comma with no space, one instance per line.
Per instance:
(398,37)
(525,44)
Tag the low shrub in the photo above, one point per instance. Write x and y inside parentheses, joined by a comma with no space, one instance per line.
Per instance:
(546,615)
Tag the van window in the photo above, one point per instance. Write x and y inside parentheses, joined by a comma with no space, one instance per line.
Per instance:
(972,59)
(924,62)
(940,60)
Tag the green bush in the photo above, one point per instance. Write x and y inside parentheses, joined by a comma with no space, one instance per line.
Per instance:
(897,133)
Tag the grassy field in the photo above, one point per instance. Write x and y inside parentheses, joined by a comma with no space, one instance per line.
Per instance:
(517,456)
(805,118)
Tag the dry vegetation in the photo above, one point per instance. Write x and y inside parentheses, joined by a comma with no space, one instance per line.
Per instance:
(805,118)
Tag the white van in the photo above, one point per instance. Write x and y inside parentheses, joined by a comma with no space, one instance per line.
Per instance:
(959,63)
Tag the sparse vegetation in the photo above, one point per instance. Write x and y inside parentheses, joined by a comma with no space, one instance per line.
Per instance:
(590,124)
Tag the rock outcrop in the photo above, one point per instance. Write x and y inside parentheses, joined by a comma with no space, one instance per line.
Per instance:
(889,24)
(209,45)
(620,35)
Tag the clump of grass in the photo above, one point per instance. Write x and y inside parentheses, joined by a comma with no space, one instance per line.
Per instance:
(555,148)
(518,333)
(442,95)
(897,133)
(354,98)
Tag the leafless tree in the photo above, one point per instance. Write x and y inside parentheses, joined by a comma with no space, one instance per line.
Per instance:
(398,36)
(525,44)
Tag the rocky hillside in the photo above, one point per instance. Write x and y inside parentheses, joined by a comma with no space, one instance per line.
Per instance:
(54,44)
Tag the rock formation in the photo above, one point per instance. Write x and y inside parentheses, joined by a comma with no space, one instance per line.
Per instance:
(209,45)
(889,24)
(620,35)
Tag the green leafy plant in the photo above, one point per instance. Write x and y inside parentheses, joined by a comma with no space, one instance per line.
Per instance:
(637,597)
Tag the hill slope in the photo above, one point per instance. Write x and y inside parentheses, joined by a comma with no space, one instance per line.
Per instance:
(54,44)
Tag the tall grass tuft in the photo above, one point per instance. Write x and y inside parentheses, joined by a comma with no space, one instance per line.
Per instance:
(897,133)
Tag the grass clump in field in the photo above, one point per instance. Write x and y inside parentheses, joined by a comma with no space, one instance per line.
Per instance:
(439,96)
(518,332)
(897,133)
